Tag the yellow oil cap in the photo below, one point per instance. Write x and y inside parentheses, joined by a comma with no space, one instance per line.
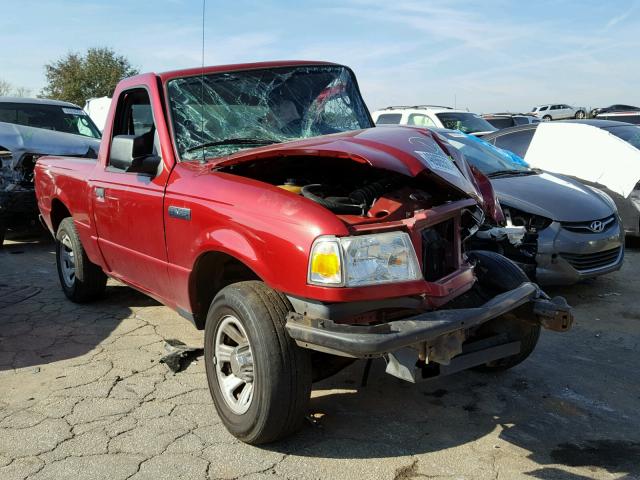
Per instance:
(291,188)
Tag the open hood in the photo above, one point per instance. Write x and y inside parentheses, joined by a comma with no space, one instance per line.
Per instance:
(406,150)
(586,152)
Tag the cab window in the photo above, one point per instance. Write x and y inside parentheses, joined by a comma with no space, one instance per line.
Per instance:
(134,117)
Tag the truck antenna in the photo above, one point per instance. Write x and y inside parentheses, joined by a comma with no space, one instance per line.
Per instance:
(204,2)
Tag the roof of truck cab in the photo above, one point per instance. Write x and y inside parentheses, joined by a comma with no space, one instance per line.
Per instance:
(189,72)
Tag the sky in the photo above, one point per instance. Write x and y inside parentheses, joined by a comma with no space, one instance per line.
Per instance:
(485,56)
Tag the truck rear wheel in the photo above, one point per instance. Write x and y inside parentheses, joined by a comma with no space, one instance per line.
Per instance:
(81,280)
(497,274)
(259,379)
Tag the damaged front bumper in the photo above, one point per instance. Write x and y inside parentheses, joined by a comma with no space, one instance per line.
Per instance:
(367,341)
(565,257)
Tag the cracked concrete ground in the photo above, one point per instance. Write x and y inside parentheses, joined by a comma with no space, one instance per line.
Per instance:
(83,396)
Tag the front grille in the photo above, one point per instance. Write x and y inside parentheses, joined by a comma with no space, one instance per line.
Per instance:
(439,256)
(591,226)
(591,261)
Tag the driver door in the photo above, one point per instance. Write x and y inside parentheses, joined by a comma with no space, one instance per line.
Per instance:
(128,206)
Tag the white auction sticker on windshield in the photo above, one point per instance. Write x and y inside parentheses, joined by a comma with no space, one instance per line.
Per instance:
(439,161)
(73,111)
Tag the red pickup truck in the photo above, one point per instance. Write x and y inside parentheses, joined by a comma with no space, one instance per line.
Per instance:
(260,203)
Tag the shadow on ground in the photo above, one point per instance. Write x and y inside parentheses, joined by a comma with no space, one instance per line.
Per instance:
(37,324)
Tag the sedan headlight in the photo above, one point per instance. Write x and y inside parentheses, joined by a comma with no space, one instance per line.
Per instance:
(363,260)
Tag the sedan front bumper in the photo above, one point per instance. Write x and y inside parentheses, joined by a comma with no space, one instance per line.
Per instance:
(565,257)
(366,341)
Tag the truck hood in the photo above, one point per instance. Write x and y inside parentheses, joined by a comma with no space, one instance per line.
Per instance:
(406,150)
(20,139)
(552,196)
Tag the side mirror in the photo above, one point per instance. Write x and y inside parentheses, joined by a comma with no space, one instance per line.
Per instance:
(128,154)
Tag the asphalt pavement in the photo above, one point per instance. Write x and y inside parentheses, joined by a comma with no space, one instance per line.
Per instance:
(84,396)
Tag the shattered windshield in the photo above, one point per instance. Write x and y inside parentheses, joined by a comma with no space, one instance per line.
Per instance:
(219,114)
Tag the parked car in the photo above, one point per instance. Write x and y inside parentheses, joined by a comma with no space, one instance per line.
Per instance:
(295,250)
(434,116)
(627,117)
(30,128)
(599,153)
(614,108)
(506,120)
(558,111)
(549,217)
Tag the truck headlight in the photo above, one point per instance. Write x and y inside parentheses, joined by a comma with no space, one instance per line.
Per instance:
(363,260)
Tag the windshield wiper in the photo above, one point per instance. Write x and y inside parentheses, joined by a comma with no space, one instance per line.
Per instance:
(502,173)
(234,141)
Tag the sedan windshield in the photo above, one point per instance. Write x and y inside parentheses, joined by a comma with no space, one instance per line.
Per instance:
(218,114)
(628,133)
(49,117)
(488,159)
(465,122)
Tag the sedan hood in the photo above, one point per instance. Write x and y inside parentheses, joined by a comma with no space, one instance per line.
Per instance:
(406,150)
(552,196)
(20,139)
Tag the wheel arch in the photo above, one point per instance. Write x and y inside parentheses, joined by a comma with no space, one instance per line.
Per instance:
(59,211)
(213,270)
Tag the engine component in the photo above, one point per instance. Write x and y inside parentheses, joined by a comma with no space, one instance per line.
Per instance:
(291,185)
(357,202)
(369,193)
(515,234)
(340,205)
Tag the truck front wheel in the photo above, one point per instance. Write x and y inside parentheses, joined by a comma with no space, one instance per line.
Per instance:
(260,380)
(81,280)
(497,274)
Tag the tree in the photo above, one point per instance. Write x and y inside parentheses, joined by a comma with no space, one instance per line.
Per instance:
(6,89)
(76,78)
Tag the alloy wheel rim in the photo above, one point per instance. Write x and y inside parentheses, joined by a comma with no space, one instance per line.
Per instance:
(233,361)
(67,261)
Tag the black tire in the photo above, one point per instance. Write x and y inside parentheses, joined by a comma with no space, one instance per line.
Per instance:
(3,232)
(87,281)
(547,118)
(580,115)
(497,274)
(280,370)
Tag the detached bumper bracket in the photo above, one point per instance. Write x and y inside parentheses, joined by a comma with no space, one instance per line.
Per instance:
(554,314)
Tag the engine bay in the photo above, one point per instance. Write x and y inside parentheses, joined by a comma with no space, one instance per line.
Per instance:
(355,191)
